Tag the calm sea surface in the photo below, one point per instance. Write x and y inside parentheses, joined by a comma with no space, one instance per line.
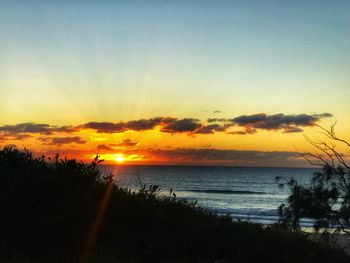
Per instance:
(242,192)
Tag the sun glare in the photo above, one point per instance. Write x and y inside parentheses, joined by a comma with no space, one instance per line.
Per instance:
(119,158)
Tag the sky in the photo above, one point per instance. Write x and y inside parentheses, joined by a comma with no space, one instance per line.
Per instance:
(174,82)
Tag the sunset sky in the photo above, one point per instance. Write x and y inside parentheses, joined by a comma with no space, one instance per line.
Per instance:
(174,82)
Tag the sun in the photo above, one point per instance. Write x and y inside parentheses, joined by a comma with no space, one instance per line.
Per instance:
(119,158)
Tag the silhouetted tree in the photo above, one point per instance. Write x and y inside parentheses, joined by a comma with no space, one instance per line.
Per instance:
(327,198)
(62,210)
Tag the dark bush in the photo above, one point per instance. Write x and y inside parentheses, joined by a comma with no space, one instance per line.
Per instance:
(62,210)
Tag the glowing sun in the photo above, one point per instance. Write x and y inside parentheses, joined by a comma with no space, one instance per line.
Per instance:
(119,158)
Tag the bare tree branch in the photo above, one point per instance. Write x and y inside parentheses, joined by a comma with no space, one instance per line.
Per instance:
(327,199)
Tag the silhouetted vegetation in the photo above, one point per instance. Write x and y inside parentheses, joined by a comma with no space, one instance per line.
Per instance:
(62,210)
(327,198)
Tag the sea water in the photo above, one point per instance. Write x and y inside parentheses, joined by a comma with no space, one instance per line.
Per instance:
(245,193)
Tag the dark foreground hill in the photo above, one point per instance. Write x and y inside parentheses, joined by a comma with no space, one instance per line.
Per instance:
(64,211)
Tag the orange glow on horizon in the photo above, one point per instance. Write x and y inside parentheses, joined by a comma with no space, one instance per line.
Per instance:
(121,158)
(153,147)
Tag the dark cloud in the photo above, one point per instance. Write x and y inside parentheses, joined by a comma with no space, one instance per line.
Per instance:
(250,130)
(112,147)
(134,125)
(278,121)
(216,111)
(39,128)
(250,123)
(187,125)
(325,115)
(250,119)
(62,140)
(207,129)
(143,124)
(289,129)
(105,127)
(212,128)
(166,120)
(100,127)
(9,136)
(26,128)
(216,120)
(289,123)
(224,127)
(67,129)
(124,143)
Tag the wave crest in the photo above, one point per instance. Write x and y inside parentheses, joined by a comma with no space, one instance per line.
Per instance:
(212,191)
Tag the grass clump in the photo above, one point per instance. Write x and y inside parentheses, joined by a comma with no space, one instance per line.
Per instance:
(63,210)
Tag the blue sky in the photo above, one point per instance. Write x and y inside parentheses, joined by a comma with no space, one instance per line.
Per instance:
(227,50)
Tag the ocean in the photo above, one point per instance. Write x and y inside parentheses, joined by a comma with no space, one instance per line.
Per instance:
(245,193)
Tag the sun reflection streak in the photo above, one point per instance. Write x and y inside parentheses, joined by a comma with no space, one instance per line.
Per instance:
(93,234)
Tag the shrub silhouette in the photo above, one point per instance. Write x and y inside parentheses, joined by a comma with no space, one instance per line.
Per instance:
(51,211)
(327,198)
